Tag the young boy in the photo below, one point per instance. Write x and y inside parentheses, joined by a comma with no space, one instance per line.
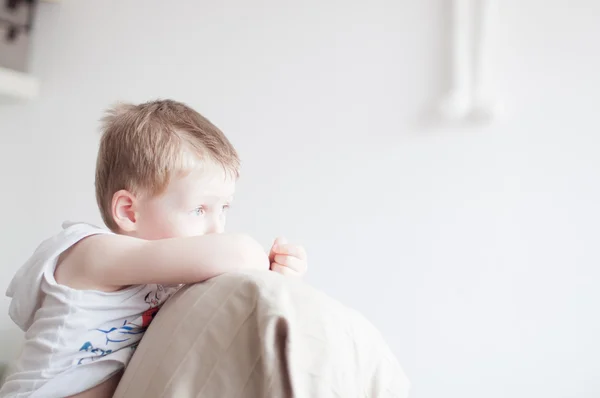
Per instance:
(165,177)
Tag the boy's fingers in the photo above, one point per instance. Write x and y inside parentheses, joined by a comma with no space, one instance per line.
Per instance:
(272,254)
(291,250)
(278,242)
(290,262)
(283,270)
(281,241)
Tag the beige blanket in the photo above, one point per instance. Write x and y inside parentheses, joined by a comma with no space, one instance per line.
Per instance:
(256,335)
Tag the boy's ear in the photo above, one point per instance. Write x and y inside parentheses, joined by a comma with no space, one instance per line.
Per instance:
(123,210)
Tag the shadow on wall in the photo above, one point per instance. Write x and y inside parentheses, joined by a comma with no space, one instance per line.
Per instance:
(428,119)
(9,352)
(3,367)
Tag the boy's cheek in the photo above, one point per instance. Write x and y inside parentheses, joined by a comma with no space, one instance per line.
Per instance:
(155,226)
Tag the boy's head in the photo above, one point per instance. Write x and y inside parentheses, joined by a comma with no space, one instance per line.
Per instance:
(163,171)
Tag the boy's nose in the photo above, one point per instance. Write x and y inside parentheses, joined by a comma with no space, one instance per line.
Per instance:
(215,227)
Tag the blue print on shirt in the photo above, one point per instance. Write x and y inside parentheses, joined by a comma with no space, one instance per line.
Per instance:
(88,347)
(118,337)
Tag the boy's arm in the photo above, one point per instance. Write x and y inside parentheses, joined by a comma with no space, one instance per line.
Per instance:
(109,262)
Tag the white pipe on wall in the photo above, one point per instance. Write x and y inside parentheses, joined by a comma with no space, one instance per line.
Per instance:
(470,78)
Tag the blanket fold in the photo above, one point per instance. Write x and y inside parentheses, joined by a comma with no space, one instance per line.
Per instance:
(260,335)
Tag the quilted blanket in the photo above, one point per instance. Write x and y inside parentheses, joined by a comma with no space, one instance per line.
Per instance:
(255,335)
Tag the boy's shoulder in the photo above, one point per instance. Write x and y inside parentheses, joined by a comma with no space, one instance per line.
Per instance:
(86,247)
(25,287)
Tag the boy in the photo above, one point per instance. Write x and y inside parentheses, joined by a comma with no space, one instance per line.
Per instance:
(165,177)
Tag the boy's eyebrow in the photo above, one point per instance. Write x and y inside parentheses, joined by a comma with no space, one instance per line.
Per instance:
(216,198)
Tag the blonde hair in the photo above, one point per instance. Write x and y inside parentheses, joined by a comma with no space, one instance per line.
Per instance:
(142,146)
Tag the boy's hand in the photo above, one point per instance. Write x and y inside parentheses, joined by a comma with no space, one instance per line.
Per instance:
(287,259)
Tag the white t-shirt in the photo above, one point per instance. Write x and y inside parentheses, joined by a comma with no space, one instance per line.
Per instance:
(75,339)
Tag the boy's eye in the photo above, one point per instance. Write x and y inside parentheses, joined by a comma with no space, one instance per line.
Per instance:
(225,208)
(198,211)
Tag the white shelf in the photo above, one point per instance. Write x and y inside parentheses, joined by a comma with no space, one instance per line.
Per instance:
(17,85)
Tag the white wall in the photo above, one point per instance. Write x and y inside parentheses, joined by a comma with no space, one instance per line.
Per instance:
(473,250)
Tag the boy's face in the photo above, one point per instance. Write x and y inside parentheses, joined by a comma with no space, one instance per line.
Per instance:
(195,204)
